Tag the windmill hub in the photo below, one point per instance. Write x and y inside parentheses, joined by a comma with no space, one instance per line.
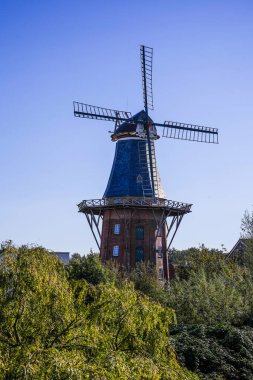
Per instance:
(136,127)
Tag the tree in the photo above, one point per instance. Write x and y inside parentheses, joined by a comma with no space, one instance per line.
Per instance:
(56,328)
(217,352)
(211,289)
(246,255)
(89,268)
(190,260)
(144,277)
(36,310)
(247,225)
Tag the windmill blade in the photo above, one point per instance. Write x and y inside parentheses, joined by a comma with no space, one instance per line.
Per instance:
(93,112)
(190,132)
(146,73)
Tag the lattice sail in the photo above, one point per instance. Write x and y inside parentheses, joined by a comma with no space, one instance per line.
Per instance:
(100,113)
(146,72)
(189,132)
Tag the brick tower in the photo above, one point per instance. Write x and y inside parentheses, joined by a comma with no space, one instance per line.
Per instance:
(136,233)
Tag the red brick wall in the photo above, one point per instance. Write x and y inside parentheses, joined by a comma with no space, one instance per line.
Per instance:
(129,219)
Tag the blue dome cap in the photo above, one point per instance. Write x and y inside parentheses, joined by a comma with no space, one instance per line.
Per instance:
(125,175)
(130,174)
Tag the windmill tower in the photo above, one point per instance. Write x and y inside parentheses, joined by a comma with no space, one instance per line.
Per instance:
(134,221)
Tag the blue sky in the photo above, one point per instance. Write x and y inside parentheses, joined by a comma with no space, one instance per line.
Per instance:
(54,52)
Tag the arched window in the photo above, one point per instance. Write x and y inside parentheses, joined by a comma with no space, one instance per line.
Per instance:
(139,254)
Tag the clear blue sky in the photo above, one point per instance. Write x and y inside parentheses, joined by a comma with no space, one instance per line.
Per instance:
(54,52)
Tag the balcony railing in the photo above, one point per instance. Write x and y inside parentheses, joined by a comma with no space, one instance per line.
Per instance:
(134,202)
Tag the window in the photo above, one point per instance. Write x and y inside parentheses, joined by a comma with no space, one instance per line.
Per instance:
(160,274)
(116,229)
(139,254)
(115,251)
(139,233)
(139,178)
(160,252)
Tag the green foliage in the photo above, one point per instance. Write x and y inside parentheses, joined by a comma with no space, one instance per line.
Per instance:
(189,261)
(32,284)
(211,290)
(144,277)
(223,352)
(210,300)
(247,225)
(56,327)
(129,335)
(36,307)
(88,321)
(89,268)
(246,258)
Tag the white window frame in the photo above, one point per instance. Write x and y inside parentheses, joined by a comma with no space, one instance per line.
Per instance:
(115,251)
(116,229)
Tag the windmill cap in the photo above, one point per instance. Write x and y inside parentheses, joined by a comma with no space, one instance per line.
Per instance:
(132,128)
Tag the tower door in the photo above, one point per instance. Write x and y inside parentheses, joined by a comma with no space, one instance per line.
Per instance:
(139,254)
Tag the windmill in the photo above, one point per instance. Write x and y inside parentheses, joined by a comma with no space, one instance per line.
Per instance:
(130,222)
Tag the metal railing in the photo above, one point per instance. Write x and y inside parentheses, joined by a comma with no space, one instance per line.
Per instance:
(134,202)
